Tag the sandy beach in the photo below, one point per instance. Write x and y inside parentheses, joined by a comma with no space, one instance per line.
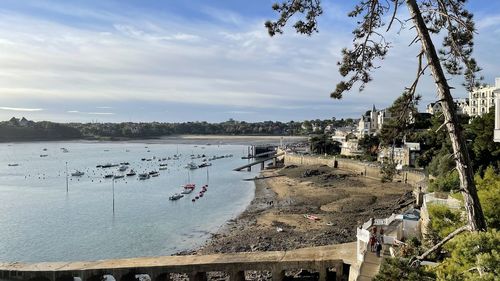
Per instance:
(275,218)
(225,139)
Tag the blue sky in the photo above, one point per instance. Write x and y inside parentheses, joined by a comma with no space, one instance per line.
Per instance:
(152,60)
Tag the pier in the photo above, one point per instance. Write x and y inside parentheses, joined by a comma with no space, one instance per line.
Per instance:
(330,262)
(261,161)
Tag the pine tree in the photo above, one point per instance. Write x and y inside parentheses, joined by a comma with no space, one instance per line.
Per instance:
(449,17)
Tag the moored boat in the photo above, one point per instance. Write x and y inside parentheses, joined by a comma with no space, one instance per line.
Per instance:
(131,173)
(77,173)
(203,165)
(176,196)
(191,166)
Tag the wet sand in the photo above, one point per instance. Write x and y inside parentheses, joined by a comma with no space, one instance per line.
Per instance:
(274,221)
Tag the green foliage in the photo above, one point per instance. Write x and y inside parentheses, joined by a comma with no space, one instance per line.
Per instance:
(484,150)
(13,131)
(489,195)
(475,256)
(399,269)
(443,221)
(388,170)
(442,163)
(324,144)
(369,145)
(445,183)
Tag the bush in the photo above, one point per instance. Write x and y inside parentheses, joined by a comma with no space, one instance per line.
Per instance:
(443,221)
(399,269)
(445,183)
(489,195)
(475,256)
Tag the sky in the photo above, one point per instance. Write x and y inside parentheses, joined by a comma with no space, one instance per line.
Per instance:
(198,60)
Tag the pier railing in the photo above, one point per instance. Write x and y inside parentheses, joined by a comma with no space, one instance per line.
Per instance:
(330,262)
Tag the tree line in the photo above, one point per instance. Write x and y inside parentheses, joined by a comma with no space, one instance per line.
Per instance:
(14,131)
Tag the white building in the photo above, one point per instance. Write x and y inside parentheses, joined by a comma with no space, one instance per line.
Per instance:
(496,134)
(483,98)
(372,121)
(461,107)
(403,156)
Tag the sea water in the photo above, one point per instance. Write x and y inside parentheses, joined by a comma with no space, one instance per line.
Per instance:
(41,221)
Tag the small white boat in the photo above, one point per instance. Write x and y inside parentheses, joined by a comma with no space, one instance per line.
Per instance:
(144,176)
(191,166)
(77,173)
(205,164)
(123,168)
(13,165)
(176,196)
(118,176)
(131,173)
(187,191)
(163,168)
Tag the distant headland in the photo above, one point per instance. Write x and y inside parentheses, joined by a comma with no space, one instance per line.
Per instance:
(22,129)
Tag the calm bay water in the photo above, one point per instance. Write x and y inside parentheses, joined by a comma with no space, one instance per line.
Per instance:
(39,221)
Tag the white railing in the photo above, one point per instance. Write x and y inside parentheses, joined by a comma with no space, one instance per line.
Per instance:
(363,235)
(449,202)
(385,222)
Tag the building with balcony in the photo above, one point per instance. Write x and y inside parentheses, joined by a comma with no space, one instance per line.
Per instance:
(483,98)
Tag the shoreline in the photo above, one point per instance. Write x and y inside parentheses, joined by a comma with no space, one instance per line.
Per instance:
(274,219)
(180,139)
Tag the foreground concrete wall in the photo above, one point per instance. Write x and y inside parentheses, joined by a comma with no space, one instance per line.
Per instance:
(331,262)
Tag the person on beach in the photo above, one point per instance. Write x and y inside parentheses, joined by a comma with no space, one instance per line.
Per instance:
(372,243)
(381,235)
(378,248)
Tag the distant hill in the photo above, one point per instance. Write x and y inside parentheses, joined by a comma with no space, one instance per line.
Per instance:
(25,130)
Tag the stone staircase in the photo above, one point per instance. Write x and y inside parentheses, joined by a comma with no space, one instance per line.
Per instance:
(371,264)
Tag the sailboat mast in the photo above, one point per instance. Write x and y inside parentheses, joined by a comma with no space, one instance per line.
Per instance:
(67,177)
(113,184)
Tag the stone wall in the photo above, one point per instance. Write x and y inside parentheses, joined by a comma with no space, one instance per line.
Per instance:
(372,170)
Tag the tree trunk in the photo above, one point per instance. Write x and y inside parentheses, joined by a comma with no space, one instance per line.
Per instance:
(464,166)
(442,242)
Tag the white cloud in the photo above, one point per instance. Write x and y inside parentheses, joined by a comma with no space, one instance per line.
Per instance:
(72,111)
(231,63)
(488,21)
(222,15)
(100,113)
(240,112)
(20,109)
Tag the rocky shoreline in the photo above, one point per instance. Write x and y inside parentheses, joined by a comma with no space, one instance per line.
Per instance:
(274,220)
